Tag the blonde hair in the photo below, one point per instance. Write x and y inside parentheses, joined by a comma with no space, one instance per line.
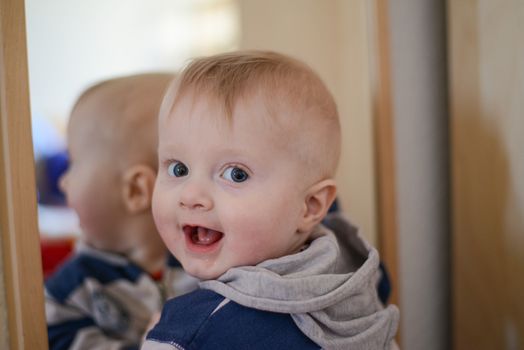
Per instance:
(285,84)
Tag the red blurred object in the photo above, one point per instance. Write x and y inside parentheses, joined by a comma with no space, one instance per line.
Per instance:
(54,252)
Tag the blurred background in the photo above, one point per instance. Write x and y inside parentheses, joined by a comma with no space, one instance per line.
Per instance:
(431,100)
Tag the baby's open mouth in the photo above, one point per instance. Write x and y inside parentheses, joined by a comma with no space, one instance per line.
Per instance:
(201,235)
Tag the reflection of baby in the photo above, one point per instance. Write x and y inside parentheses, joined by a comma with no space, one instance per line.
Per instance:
(104,296)
(248,147)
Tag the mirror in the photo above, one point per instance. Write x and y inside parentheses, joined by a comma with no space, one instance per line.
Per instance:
(73,44)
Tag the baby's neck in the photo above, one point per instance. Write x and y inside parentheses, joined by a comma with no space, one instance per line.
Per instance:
(150,256)
(148,251)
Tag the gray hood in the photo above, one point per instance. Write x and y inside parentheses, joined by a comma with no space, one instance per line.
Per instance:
(329,289)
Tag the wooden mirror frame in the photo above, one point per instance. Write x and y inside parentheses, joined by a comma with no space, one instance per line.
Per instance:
(21,265)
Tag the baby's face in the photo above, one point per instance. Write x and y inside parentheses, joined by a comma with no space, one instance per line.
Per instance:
(227,195)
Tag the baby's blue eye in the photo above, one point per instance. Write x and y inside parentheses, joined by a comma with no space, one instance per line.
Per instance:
(177,169)
(235,174)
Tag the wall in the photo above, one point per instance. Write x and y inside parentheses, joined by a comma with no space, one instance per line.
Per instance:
(418,63)
(487,104)
(332,37)
(73,43)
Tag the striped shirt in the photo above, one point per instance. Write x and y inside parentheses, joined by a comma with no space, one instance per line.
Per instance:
(100,300)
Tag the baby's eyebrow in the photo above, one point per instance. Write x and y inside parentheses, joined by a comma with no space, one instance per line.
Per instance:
(231,152)
(168,147)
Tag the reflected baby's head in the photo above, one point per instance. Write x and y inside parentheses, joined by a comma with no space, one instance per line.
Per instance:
(112,142)
(248,147)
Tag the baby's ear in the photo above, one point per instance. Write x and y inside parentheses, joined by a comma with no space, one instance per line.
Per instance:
(138,184)
(319,198)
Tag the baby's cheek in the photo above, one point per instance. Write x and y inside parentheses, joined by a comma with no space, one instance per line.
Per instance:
(85,211)
(165,221)
(251,244)
(161,224)
(158,210)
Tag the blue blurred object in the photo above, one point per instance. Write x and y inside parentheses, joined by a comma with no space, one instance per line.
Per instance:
(384,285)
(57,165)
(49,170)
(51,159)
(334,207)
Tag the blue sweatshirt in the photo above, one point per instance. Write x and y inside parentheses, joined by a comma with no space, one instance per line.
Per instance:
(324,296)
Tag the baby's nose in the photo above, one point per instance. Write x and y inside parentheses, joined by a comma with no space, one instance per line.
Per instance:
(195,196)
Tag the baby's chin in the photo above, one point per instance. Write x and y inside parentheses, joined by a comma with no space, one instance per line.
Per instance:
(204,275)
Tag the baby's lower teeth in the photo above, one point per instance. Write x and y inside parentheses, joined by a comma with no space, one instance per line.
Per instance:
(203,236)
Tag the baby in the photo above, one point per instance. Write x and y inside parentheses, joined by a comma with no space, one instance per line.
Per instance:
(105,295)
(248,148)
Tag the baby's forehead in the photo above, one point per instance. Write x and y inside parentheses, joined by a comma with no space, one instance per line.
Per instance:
(257,118)
(258,107)
(254,120)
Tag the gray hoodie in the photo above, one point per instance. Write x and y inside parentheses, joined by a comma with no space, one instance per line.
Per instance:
(329,289)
